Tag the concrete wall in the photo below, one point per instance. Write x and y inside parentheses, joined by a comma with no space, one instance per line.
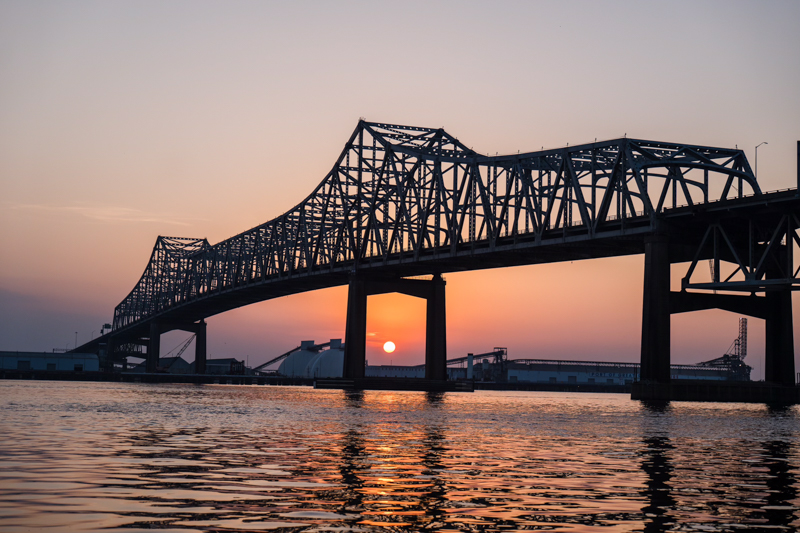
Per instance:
(394,371)
(397,371)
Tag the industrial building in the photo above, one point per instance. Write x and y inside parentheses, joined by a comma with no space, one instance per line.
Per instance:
(583,372)
(311,361)
(326,360)
(49,362)
(551,371)
(496,367)
(166,365)
(227,366)
(178,365)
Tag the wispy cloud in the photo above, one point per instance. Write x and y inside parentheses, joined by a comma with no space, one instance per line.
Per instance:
(105,213)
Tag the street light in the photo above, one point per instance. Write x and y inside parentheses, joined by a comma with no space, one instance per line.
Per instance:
(765,142)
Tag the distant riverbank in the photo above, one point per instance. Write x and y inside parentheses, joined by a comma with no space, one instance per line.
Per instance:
(118,377)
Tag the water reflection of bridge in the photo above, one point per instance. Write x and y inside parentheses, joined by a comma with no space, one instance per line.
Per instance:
(422,498)
(403,202)
(431,473)
(766,471)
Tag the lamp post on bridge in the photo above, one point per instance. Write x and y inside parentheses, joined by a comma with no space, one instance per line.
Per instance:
(765,142)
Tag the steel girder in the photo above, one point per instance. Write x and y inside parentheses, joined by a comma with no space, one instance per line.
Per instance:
(763,254)
(406,195)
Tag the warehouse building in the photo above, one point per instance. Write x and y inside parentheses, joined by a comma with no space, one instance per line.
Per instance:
(49,362)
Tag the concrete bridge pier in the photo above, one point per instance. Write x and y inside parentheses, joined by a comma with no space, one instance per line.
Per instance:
(104,353)
(154,343)
(153,347)
(656,312)
(436,332)
(779,349)
(433,291)
(775,308)
(355,335)
(200,348)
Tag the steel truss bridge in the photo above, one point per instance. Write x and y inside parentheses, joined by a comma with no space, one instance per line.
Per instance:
(404,205)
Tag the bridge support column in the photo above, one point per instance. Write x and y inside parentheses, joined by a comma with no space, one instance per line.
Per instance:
(656,312)
(355,346)
(779,350)
(436,332)
(111,348)
(153,348)
(355,337)
(106,365)
(200,348)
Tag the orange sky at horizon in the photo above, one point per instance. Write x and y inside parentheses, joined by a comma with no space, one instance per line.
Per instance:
(122,121)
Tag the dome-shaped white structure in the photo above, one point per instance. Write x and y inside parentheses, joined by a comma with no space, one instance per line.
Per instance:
(328,363)
(308,362)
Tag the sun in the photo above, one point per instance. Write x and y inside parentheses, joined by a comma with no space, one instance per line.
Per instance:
(389,347)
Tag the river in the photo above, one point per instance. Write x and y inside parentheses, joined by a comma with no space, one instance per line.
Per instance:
(134,457)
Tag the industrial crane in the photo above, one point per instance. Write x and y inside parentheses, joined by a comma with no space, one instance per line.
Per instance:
(733,359)
(497,367)
(180,352)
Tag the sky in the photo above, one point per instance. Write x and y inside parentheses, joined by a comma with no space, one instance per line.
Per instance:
(124,120)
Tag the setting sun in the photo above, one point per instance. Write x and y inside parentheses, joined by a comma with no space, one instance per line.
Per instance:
(389,347)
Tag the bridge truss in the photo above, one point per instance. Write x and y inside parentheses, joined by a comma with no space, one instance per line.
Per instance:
(418,197)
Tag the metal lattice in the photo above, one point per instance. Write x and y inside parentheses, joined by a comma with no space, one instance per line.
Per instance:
(763,256)
(166,280)
(400,195)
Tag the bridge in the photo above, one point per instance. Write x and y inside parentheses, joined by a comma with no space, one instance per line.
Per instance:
(403,205)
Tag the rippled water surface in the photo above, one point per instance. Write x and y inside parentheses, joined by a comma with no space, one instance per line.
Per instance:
(129,457)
